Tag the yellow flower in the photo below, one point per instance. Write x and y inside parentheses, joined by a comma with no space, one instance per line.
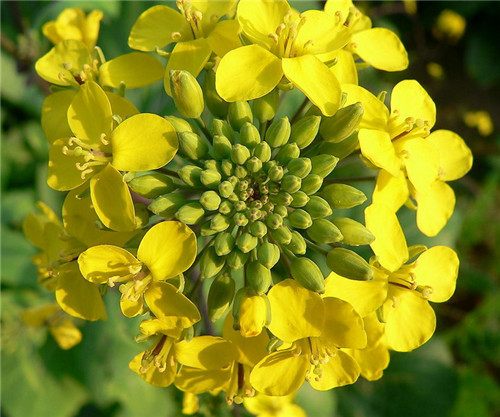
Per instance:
(97,151)
(158,259)
(264,406)
(449,25)
(284,43)
(481,120)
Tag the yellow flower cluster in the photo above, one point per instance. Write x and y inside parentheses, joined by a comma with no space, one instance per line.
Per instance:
(235,198)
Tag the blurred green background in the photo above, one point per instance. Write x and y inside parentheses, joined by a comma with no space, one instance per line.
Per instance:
(456,374)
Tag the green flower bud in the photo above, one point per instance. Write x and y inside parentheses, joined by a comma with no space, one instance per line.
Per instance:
(141,215)
(287,153)
(342,196)
(276,173)
(300,167)
(190,174)
(210,263)
(305,130)
(240,220)
(239,113)
(265,107)
(212,164)
(234,180)
(324,231)
(299,199)
(152,185)
(222,128)
(270,187)
(225,207)
(291,183)
(262,151)
(190,213)
(349,264)
(300,219)
(311,184)
(318,207)
(258,229)
(236,259)
(268,207)
(240,206)
(268,254)
(219,222)
(193,145)
(278,133)
(210,200)
(354,233)
(227,167)
(274,221)
(282,235)
(307,274)
(210,178)
(239,154)
(282,198)
(240,172)
(322,165)
(254,164)
(249,135)
(341,125)
(298,244)
(341,149)
(222,147)
(217,106)
(258,277)
(186,93)
(254,214)
(281,211)
(233,198)
(220,296)
(224,243)
(180,125)
(246,242)
(166,205)
(206,230)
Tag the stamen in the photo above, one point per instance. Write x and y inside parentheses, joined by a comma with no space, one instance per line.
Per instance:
(176,36)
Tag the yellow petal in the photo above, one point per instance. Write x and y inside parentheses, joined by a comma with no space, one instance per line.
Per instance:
(377,147)
(152,375)
(253,315)
(205,352)
(131,308)
(267,406)
(37,316)
(100,263)
(340,370)
(296,312)
(310,76)
(54,110)
(224,37)
(77,296)
(372,360)
(34,224)
(63,174)
(390,190)
(390,243)
(155,26)
(345,68)
(156,326)
(421,161)
(343,325)
(375,114)
(121,106)
(199,381)
(381,48)
(280,373)
(112,201)
(438,268)
(171,307)
(190,56)
(246,73)
(411,100)
(91,27)
(66,334)
(455,157)
(434,208)
(342,6)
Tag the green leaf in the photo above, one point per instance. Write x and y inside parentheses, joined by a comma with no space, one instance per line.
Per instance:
(17,268)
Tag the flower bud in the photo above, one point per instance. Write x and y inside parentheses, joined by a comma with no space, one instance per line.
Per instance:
(268,254)
(342,124)
(193,145)
(291,183)
(307,274)
(299,199)
(281,210)
(210,263)
(217,106)
(239,113)
(322,165)
(282,235)
(210,200)
(265,107)
(220,222)
(240,220)
(180,125)
(152,185)
(318,207)
(222,147)
(258,277)
(210,178)
(305,130)
(246,242)
(212,164)
(224,243)
(275,173)
(222,128)
(300,167)
(262,151)
(239,154)
(220,296)
(300,219)
(298,244)
(274,221)
(354,233)
(190,213)
(282,198)
(324,231)
(240,172)
(166,205)
(287,153)
(141,215)
(205,230)
(190,174)
(349,264)
(258,228)
(249,135)
(251,312)
(227,168)
(341,149)
(311,184)
(342,196)
(278,133)
(186,93)
(236,259)
(254,164)
(225,189)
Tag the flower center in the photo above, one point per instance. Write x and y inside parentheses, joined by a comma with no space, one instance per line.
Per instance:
(285,35)
(91,155)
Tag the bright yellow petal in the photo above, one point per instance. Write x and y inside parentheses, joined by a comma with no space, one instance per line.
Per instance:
(152,374)
(131,308)
(121,106)
(411,100)
(267,406)
(296,312)
(434,208)
(438,268)
(199,381)
(342,6)
(340,370)
(381,48)
(112,201)
(390,243)
(310,76)
(377,147)
(246,73)
(155,26)
(155,326)
(224,37)
(54,115)
(66,334)
(372,360)
(455,157)
(421,161)
(206,352)
(375,114)
(168,249)
(345,68)
(91,27)
(77,296)
(391,191)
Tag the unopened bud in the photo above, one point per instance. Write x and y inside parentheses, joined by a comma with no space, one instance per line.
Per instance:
(193,145)
(190,174)
(298,244)
(217,106)
(258,228)
(300,167)
(254,164)
(268,254)
(282,235)
(341,125)
(227,168)
(240,172)
(342,196)
(224,243)
(287,153)
(322,165)
(222,147)
(222,128)
(299,199)
(274,221)
(239,113)
(180,125)
(311,184)
(354,233)
(210,263)
(349,264)
(210,178)
(220,222)
(275,173)
(210,200)
(246,242)
(236,259)
(240,220)
(341,149)
(300,219)
(308,274)
(262,151)
(324,231)
(190,213)
(282,198)
(258,277)
(166,205)
(291,183)
(249,135)
(239,154)
(225,189)
(305,130)
(152,185)
(220,296)
(265,107)
(186,93)
(278,133)
(281,210)
(318,207)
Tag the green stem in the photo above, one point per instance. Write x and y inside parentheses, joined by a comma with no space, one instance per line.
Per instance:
(201,124)
(299,110)
(316,247)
